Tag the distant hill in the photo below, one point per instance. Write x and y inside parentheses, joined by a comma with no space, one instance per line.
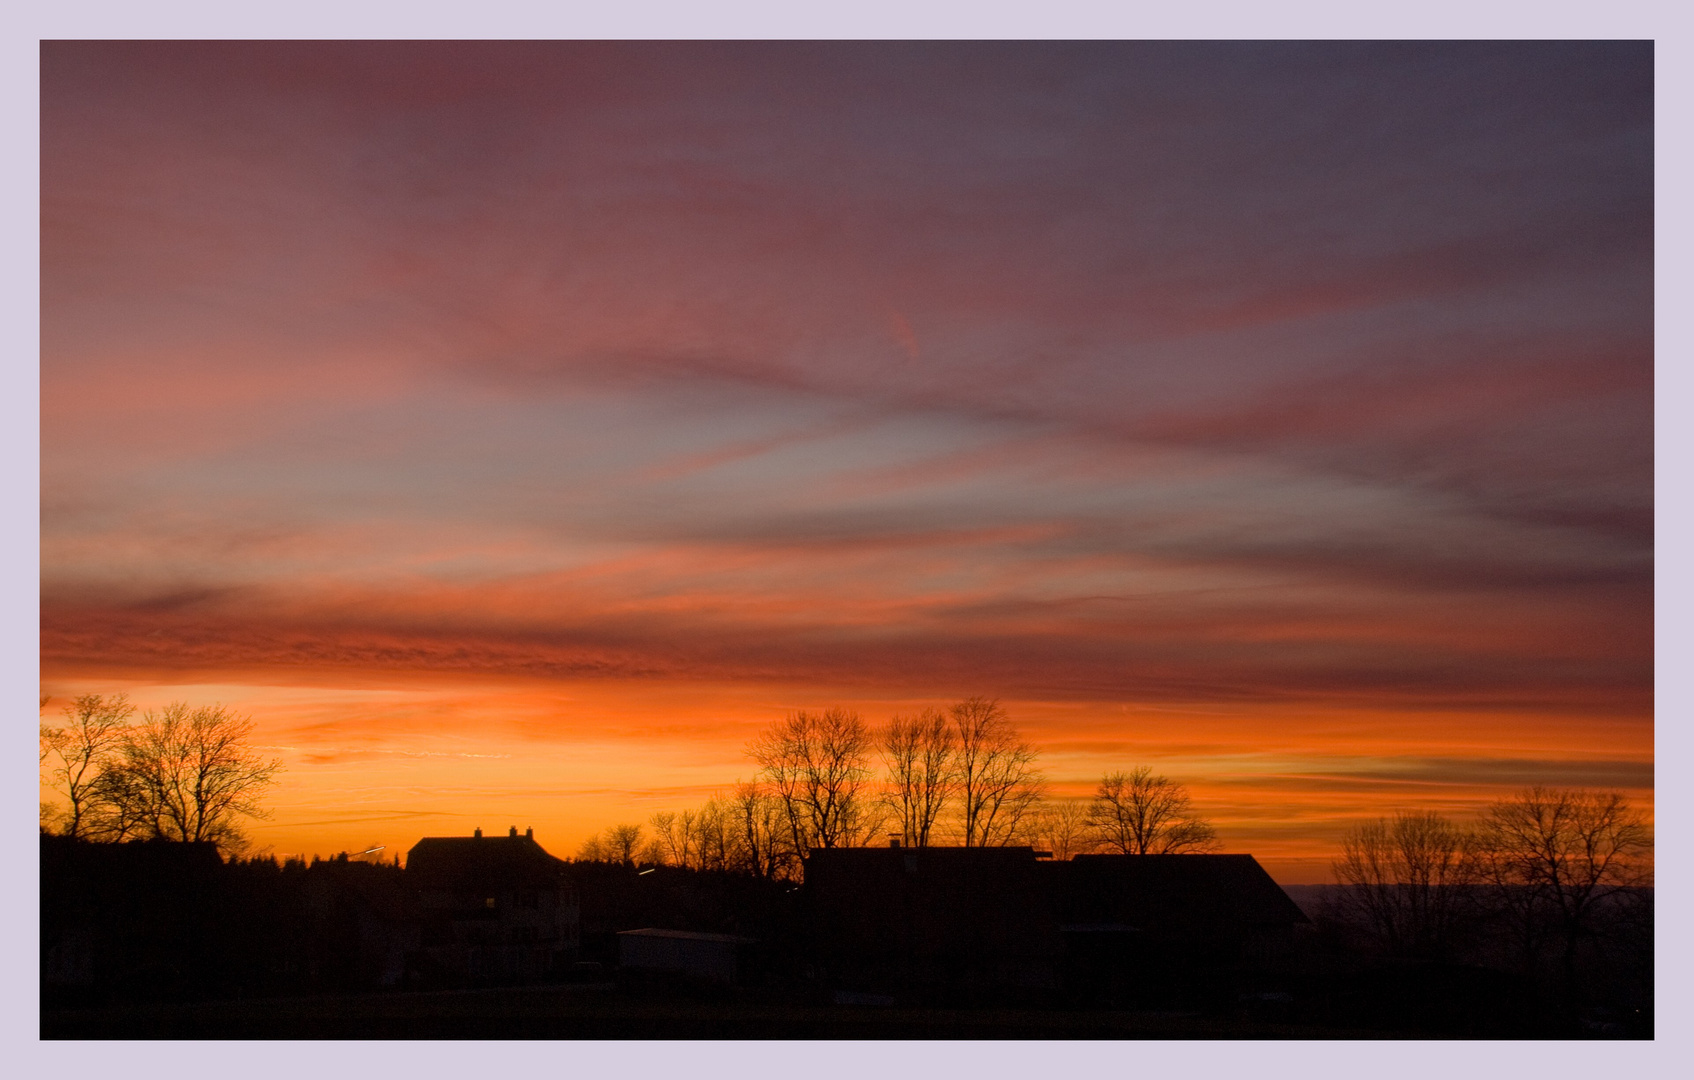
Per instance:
(1309,897)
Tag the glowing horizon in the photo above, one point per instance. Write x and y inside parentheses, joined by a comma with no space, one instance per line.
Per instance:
(512,429)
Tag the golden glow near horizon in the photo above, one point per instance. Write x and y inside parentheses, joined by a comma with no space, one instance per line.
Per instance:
(388,766)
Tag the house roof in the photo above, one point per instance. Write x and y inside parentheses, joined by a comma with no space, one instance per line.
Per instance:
(478,862)
(1172,890)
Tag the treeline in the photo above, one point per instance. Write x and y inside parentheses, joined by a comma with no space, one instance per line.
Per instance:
(179,773)
(1553,883)
(962,776)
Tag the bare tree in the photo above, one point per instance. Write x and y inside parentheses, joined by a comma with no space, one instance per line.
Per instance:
(188,774)
(1138,813)
(622,843)
(715,837)
(121,807)
(674,834)
(49,813)
(1557,859)
(45,747)
(617,843)
(82,750)
(1062,828)
(920,754)
(1405,880)
(817,766)
(758,820)
(997,781)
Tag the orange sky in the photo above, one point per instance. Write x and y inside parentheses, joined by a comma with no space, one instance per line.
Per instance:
(513,429)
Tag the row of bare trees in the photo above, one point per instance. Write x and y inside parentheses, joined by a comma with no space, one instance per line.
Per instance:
(745,832)
(1551,868)
(180,773)
(963,775)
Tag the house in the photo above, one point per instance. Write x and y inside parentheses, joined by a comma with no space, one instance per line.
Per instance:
(936,923)
(714,957)
(493,909)
(932,922)
(1157,929)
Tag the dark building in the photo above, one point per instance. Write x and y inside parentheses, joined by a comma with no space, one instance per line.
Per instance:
(931,922)
(1001,923)
(493,909)
(1167,929)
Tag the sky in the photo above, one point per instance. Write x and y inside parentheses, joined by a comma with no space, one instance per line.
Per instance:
(513,430)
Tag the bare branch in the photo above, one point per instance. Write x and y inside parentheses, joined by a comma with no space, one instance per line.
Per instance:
(920,754)
(1138,813)
(91,740)
(997,781)
(817,765)
(188,775)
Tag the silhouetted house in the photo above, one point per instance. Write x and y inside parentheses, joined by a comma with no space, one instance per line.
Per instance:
(958,923)
(1142,928)
(932,922)
(492,908)
(716,957)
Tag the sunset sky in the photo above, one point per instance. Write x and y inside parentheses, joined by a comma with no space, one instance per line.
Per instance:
(514,429)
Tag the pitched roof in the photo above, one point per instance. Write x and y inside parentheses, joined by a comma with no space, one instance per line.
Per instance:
(474,862)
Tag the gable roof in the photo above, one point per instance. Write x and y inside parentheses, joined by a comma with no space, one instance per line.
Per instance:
(482,862)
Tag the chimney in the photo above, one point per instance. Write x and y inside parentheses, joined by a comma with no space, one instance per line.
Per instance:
(514,833)
(477,834)
(529,833)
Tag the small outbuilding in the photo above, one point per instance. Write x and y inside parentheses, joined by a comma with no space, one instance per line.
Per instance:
(715,957)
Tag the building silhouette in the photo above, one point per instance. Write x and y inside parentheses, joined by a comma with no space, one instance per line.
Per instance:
(492,909)
(933,923)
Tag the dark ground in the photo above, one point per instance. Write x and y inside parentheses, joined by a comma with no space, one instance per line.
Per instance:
(602,1011)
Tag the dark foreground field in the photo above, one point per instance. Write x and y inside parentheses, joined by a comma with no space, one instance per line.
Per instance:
(602,1012)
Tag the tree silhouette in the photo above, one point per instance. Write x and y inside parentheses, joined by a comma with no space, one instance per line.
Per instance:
(817,766)
(1404,880)
(758,820)
(1138,813)
(1061,826)
(623,843)
(82,751)
(1557,858)
(920,754)
(618,843)
(997,781)
(187,774)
